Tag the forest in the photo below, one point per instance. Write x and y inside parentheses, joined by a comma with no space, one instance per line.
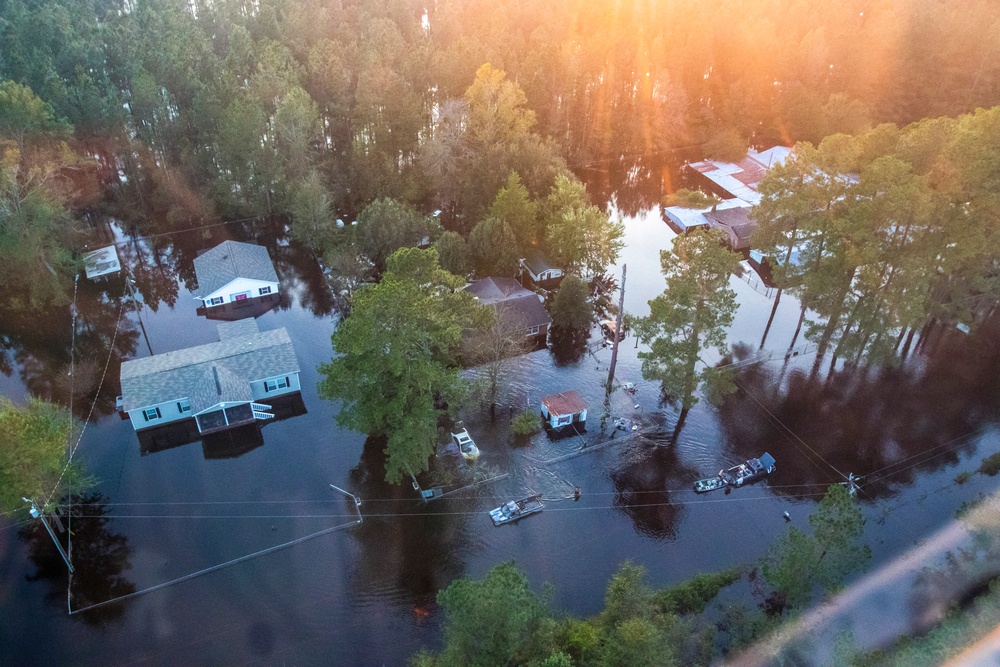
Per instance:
(368,127)
(167,114)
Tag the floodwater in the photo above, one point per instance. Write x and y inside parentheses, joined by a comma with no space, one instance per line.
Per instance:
(365,593)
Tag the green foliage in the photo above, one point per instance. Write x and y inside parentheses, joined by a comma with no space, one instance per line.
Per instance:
(312,213)
(493,248)
(513,205)
(387,225)
(394,369)
(578,236)
(690,199)
(726,145)
(453,252)
(798,562)
(525,424)
(23,115)
(488,621)
(570,308)
(691,596)
(35,440)
(691,315)
(990,465)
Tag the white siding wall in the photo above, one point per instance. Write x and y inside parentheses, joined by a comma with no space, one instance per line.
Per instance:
(168,413)
(239,286)
(258,392)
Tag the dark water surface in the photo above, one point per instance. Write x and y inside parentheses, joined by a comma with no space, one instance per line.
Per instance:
(365,594)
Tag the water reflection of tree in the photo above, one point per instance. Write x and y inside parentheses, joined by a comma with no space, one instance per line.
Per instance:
(417,555)
(100,558)
(884,422)
(641,488)
(39,342)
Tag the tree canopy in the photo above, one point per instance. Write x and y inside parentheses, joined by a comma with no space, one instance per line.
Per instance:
(393,368)
(34,454)
(690,316)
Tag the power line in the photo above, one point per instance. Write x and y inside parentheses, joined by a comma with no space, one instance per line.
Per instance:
(789,431)
(575,508)
(93,405)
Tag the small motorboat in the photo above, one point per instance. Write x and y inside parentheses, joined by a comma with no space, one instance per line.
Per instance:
(744,473)
(466,445)
(516,509)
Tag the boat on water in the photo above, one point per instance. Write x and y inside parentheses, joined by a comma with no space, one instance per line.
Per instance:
(466,445)
(516,509)
(745,473)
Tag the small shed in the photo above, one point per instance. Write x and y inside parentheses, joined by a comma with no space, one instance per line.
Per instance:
(563,409)
(540,272)
(101,262)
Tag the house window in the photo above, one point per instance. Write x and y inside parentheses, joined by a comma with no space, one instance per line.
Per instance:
(562,421)
(533,331)
(183,406)
(151,414)
(274,385)
(264,290)
(215,302)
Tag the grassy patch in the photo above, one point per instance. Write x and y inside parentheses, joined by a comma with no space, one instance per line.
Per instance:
(691,596)
(990,465)
(526,423)
(690,199)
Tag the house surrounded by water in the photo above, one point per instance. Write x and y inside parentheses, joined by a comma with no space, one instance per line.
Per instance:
(233,272)
(536,268)
(522,305)
(219,385)
(564,409)
(741,179)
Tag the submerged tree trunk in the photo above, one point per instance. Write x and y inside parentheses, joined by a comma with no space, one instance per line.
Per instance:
(774,309)
(680,425)
(798,328)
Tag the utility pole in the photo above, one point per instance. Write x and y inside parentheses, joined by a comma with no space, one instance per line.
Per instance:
(618,332)
(35,513)
(135,302)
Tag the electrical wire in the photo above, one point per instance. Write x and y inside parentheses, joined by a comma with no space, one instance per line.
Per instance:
(790,432)
(93,405)
(577,508)
(207,570)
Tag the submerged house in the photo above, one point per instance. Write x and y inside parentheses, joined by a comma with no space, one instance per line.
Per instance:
(683,220)
(102,262)
(741,179)
(537,269)
(233,272)
(564,409)
(218,385)
(523,304)
(735,222)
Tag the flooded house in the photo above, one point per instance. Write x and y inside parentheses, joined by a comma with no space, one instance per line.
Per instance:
(102,262)
(234,272)
(219,385)
(735,223)
(564,410)
(741,180)
(523,305)
(537,269)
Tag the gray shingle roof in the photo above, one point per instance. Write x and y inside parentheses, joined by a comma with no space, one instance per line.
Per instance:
(536,262)
(507,291)
(491,290)
(208,374)
(230,260)
(237,328)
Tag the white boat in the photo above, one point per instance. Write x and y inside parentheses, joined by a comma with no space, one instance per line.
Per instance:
(516,509)
(466,445)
